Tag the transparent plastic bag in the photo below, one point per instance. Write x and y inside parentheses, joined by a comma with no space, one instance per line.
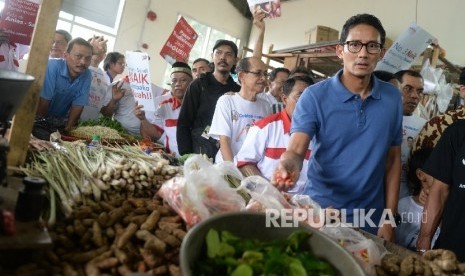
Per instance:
(315,215)
(264,195)
(367,252)
(201,193)
(173,192)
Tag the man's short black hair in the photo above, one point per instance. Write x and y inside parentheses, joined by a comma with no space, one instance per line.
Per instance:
(290,82)
(201,59)
(226,42)
(300,70)
(364,18)
(275,72)
(65,34)
(384,75)
(400,74)
(416,161)
(78,41)
(111,58)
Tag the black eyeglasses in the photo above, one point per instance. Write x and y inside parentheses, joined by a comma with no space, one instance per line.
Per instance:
(258,74)
(356,46)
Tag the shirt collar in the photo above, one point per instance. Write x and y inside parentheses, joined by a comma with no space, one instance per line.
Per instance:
(176,103)
(346,95)
(286,121)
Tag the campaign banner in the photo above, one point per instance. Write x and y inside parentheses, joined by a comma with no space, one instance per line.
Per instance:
(18,20)
(137,64)
(406,49)
(179,43)
(272,8)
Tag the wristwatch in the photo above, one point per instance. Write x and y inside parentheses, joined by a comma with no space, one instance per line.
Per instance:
(397,219)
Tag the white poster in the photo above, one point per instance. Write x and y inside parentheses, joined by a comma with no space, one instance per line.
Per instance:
(406,49)
(139,79)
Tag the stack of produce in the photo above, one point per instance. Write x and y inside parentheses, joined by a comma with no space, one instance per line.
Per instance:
(77,174)
(86,132)
(433,262)
(115,236)
(112,221)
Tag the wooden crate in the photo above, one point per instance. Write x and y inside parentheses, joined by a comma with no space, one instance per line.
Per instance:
(321,34)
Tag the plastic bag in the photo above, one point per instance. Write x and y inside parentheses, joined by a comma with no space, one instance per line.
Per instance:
(173,192)
(264,195)
(201,193)
(315,214)
(367,252)
(435,84)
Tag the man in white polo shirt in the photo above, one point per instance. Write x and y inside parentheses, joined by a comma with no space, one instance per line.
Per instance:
(268,138)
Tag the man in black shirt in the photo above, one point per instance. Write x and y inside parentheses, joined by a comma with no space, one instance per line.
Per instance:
(200,100)
(445,203)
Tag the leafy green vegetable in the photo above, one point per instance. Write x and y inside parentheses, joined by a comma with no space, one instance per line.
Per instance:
(213,243)
(106,122)
(242,270)
(228,254)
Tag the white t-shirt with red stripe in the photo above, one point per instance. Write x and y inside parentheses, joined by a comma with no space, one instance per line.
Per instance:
(165,119)
(265,143)
(233,117)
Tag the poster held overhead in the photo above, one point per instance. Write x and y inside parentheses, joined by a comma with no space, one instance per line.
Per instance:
(271,8)
(408,46)
(179,43)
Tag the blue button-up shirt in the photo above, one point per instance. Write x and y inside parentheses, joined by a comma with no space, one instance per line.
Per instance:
(61,91)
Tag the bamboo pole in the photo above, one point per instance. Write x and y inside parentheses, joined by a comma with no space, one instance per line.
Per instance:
(23,120)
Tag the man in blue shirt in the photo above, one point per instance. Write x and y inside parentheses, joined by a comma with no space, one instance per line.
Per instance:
(66,86)
(355,122)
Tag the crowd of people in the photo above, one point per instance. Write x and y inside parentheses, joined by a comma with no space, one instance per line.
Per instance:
(351,142)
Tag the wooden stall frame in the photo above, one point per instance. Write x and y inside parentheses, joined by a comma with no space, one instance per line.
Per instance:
(23,120)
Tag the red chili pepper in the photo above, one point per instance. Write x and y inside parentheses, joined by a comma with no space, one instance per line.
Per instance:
(7,223)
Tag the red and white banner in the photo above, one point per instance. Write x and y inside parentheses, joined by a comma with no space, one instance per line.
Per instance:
(180,43)
(18,19)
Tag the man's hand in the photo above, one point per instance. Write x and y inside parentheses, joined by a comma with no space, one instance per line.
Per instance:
(258,17)
(286,174)
(117,91)
(139,112)
(386,232)
(99,43)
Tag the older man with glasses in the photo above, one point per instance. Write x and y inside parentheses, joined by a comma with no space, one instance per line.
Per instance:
(355,121)
(236,113)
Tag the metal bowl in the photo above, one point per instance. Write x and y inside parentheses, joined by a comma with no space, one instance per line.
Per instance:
(13,88)
(253,226)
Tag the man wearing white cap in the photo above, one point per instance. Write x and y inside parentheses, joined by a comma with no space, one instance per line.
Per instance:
(162,123)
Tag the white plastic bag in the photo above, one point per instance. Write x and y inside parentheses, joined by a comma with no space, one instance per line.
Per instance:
(201,193)
(366,251)
(264,195)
